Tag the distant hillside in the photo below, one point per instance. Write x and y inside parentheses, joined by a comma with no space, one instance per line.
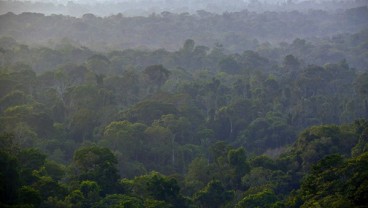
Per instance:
(147,7)
(236,31)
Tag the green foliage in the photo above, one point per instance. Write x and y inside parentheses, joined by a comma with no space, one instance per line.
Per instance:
(56,202)
(148,111)
(90,189)
(128,141)
(319,141)
(9,180)
(118,200)
(336,181)
(75,198)
(161,144)
(96,164)
(16,97)
(156,75)
(361,84)
(263,161)
(48,187)
(30,160)
(265,198)
(151,203)
(28,195)
(198,175)
(158,189)
(223,124)
(91,193)
(213,195)
(237,160)
(55,170)
(362,145)
(230,65)
(270,133)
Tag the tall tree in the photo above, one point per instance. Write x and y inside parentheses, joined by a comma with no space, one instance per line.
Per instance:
(156,75)
(96,164)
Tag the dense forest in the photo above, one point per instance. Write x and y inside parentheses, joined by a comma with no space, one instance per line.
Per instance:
(111,112)
(236,31)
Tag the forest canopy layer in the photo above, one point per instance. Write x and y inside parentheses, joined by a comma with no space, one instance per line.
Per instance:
(111,112)
(236,31)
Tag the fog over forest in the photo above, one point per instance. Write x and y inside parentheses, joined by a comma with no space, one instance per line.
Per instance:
(184,104)
(237,31)
(147,7)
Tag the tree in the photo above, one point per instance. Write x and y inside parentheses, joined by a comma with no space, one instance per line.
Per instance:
(27,122)
(229,114)
(82,123)
(335,180)
(156,75)
(75,198)
(148,111)
(317,142)
(213,195)
(230,65)
(233,118)
(313,80)
(15,97)
(291,63)
(31,160)
(198,175)
(96,164)
(118,200)
(159,141)
(91,192)
(48,187)
(29,196)
(362,145)
(188,46)
(9,180)
(159,188)
(180,128)
(357,182)
(53,169)
(238,161)
(128,141)
(267,133)
(265,198)
(125,137)
(99,64)
(361,85)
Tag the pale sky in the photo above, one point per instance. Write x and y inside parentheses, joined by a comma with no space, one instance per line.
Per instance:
(109,1)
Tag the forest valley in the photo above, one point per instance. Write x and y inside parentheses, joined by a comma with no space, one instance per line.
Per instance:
(276,126)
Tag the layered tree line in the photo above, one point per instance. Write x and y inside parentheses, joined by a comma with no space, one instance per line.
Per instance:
(277,126)
(145,8)
(237,31)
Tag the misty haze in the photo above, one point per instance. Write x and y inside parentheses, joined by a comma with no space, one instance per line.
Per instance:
(184,104)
